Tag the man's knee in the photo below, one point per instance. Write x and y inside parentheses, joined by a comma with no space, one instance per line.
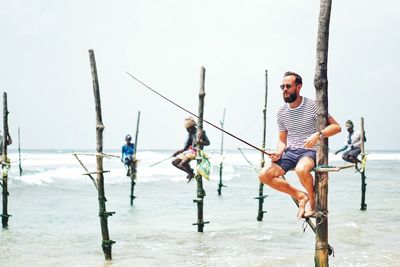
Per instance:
(176,162)
(266,175)
(302,170)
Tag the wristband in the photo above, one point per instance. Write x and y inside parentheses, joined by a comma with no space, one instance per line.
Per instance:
(321,135)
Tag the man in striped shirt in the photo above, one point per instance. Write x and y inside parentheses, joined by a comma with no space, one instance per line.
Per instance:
(296,148)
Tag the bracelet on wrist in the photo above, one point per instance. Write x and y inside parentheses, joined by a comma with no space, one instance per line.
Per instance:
(321,135)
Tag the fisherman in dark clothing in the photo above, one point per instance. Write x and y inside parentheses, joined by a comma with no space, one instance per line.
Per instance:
(188,153)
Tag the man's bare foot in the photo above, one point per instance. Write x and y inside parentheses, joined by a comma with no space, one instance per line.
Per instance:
(303,199)
(310,210)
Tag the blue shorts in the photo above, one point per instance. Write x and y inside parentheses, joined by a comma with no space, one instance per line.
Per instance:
(128,159)
(291,157)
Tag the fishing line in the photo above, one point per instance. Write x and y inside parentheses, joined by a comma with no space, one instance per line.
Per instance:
(213,125)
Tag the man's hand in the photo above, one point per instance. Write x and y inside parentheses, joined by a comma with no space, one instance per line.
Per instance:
(177,153)
(311,140)
(275,156)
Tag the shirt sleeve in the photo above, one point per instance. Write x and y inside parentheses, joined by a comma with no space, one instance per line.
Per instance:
(357,139)
(281,125)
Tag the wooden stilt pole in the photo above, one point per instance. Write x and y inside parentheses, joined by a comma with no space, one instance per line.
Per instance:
(107,243)
(134,161)
(363,177)
(199,179)
(261,195)
(221,165)
(322,248)
(5,164)
(19,153)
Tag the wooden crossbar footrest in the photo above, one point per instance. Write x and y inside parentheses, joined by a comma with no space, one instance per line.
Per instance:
(261,197)
(200,223)
(332,168)
(90,173)
(198,200)
(110,213)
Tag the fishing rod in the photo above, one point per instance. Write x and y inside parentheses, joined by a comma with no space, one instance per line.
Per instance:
(161,161)
(188,111)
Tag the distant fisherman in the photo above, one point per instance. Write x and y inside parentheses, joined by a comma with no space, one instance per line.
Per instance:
(188,152)
(352,141)
(8,141)
(127,154)
(296,148)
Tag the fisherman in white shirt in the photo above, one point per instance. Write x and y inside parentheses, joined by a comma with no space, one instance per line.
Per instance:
(351,144)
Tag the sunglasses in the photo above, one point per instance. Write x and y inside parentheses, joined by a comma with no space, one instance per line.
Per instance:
(288,86)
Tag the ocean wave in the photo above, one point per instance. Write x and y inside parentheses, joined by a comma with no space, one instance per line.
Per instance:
(41,168)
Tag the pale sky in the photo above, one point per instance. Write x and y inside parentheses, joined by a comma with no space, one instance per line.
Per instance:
(46,72)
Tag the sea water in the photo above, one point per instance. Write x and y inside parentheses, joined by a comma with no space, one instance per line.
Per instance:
(55,218)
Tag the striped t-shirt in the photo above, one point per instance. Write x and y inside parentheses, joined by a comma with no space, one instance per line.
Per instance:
(300,122)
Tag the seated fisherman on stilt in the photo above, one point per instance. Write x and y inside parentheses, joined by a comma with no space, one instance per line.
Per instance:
(188,153)
(353,143)
(8,142)
(296,148)
(127,154)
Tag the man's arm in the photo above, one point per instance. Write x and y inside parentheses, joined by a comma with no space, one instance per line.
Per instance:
(177,152)
(280,147)
(203,139)
(9,140)
(341,149)
(357,139)
(122,153)
(331,129)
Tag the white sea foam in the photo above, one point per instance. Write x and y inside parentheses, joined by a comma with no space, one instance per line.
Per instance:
(48,167)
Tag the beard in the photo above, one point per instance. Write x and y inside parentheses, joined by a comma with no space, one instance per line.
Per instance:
(291,98)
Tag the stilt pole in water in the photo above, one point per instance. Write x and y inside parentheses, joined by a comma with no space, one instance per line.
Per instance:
(19,153)
(322,248)
(5,164)
(199,179)
(221,165)
(107,243)
(261,195)
(363,177)
(134,161)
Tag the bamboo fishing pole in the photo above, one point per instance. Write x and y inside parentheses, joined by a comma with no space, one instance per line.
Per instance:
(193,114)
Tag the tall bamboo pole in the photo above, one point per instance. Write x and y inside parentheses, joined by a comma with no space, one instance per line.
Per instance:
(107,243)
(363,177)
(134,161)
(322,248)
(19,153)
(199,179)
(221,165)
(261,196)
(5,215)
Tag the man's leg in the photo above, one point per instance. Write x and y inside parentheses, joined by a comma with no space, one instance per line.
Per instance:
(303,170)
(176,163)
(185,164)
(272,176)
(346,157)
(353,155)
(128,166)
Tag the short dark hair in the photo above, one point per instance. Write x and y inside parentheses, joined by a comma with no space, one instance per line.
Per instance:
(298,79)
